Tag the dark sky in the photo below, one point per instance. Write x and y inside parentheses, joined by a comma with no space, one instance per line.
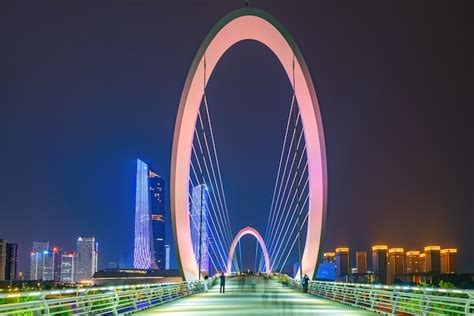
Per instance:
(88,87)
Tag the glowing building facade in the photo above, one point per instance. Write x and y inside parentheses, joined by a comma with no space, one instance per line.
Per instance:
(342,262)
(361,261)
(68,267)
(329,257)
(396,264)
(86,258)
(433,259)
(41,262)
(379,263)
(413,262)
(149,250)
(449,260)
(157,207)
(199,229)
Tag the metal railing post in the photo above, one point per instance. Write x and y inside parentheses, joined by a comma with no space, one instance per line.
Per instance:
(372,296)
(467,307)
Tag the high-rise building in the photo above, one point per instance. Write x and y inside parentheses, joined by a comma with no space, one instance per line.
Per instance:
(361,261)
(449,260)
(199,229)
(68,267)
(150,224)
(396,265)
(11,267)
(40,268)
(56,253)
(143,251)
(413,262)
(329,257)
(422,262)
(48,265)
(167,257)
(342,261)
(3,258)
(86,258)
(379,263)
(433,259)
(157,207)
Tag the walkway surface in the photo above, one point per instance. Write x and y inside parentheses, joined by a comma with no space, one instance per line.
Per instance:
(253,296)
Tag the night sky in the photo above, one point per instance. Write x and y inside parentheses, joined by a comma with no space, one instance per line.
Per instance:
(88,87)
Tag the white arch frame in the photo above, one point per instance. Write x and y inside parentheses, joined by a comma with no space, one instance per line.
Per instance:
(239,25)
(248,231)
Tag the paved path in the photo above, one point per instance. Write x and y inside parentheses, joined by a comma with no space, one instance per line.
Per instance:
(253,296)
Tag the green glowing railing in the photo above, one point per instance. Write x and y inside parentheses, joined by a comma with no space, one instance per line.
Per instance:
(393,300)
(111,300)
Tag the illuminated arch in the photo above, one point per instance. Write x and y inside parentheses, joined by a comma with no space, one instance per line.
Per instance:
(248,231)
(239,25)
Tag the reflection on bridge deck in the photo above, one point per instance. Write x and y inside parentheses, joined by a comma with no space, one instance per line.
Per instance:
(253,295)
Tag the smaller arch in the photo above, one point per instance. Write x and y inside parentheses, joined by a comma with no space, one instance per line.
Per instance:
(248,231)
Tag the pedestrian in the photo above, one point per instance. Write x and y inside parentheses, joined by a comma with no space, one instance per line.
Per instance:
(206,286)
(222,288)
(305,282)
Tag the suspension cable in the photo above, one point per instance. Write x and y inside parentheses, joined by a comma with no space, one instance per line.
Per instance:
(293,245)
(284,223)
(213,191)
(283,213)
(217,226)
(218,240)
(280,211)
(281,185)
(277,248)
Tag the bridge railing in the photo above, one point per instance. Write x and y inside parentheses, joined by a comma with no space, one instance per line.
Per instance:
(111,300)
(393,300)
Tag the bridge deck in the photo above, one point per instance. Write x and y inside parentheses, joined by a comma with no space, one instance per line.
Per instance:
(253,296)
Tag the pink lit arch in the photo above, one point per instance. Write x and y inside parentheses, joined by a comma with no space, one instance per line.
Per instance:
(248,231)
(239,25)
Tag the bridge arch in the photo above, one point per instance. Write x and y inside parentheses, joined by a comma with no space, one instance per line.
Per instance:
(248,231)
(239,25)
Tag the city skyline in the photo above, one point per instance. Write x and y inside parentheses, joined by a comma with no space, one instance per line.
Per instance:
(382,103)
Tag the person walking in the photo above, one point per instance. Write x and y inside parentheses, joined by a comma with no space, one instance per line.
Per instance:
(206,281)
(222,288)
(305,283)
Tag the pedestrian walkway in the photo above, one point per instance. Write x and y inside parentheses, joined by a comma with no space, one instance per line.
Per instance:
(253,296)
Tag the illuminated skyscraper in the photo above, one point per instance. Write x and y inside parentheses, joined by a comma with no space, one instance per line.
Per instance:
(449,260)
(68,267)
(413,262)
(56,253)
(395,264)
(86,258)
(329,257)
(422,262)
(3,258)
(157,207)
(149,250)
(11,267)
(379,263)
(433,259)
(361,261)
(199,230)
(39,263)
(342,261)
(48,265)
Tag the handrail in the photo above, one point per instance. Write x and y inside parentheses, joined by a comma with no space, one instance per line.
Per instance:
(392,300)
(108,300)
